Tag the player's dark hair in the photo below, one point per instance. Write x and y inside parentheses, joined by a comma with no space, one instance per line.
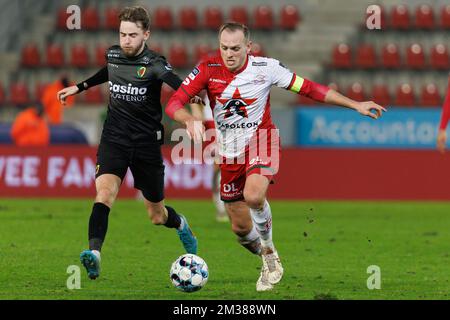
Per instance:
(235,26)
(136,14)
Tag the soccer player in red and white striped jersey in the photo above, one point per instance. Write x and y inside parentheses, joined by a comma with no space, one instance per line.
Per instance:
(238,86)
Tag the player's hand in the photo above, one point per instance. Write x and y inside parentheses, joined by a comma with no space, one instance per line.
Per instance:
(441,140)
(196,100)
(370,109)
(66,92)
(195,130)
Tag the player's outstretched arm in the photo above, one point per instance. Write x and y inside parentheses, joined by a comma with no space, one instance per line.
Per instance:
(366,108)
(100,77)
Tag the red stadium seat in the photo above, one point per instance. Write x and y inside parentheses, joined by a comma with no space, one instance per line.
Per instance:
(239,14)
(61,19)
(39,90)
(2,95)
(188,18)
(415,57)
(390,57)
(201,51)
(380,94)
(100,52)
(163,18)
(342,56)
(90,19)
(400,18)
(445,17)
(425,17)
(166,93)
(289,17)
(366,57)
(213,18)
(405,95)
(19,93)
(79,56)
(178,56)
(30,56)
(263,18)
(440,57)
(112,21)
(54,56)
(430,96)
(257,50)
(94,95)
(156,47)
(356,92)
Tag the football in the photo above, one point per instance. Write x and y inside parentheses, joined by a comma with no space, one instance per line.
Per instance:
(189,273)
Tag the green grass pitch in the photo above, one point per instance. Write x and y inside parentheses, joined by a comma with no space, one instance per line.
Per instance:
(325,247)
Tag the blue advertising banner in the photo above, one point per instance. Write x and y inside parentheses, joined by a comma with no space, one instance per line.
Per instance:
(334,127)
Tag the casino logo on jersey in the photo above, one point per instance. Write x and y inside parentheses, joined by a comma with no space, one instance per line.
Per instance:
(141,71)
(236,105)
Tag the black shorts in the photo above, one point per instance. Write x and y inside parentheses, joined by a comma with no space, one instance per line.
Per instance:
(145,162)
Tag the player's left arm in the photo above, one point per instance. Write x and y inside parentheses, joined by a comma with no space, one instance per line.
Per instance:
(283,77)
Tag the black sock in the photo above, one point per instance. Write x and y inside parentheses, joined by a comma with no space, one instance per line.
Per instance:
(173,219)
(98,225)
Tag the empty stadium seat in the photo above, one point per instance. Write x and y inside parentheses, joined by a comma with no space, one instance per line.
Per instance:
(30,56)
(178,56)
(445,17)
(390,57)
(405,95)
(356,92)
(425,17)
(2,95)
(400,17)
(61,19)
(289,17)
(212,18)
(54,56)
(365,56)
(90,19)
(93,95)
(79,56)
(39,90)
(430,95)
(112,21)
(342,57)
(156,47)
(257,50)
(380,94)
(440,57)
(415,57)
(188,18)
(201,51)
(263,18)
(19,93)
(239,14)
(100,52)
(163,18)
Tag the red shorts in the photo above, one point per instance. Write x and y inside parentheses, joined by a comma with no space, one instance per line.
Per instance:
(234,175)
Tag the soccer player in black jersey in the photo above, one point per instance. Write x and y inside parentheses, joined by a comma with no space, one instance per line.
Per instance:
(132,133)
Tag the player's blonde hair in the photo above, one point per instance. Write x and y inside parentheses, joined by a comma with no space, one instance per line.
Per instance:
(235,26)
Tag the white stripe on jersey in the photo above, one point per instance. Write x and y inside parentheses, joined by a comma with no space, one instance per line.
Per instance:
(239,110)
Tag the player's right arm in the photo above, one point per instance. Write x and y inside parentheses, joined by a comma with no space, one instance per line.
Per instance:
(100,77)
(195,82)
